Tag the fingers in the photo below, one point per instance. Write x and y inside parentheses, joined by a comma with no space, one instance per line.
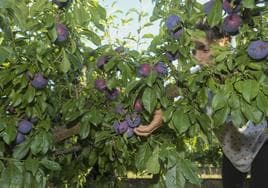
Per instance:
(141,134)
(145,130)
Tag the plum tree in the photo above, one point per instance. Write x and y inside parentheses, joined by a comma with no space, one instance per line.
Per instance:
(84,95)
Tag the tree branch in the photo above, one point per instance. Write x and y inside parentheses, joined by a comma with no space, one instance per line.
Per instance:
(64,133)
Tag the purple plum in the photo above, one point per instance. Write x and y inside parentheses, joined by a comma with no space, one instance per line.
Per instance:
(172,22)
(112,94)
(129,132)
(138,105)
(172,56)
(39,82)
(160,68)
(176,34)
(231,6)
(119,108)
(120,127)
(258,49)
(61,3)
(120,49)
(133,120)
(144,69)
(102,60)
(20,138)
(232,23)
(62,32)
(100,85)
(25,126)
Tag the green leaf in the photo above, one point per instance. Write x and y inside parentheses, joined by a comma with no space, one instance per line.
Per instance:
(152,164)
(150,80)
(262,103)
(142,156)
(92,37)
(148,36)
(11,177)
(218,101)
(248,3)
(9,134)
(51,165)
(220,116)
(65,65)
(215,15)
(181,121)
(174,177)
(84,129)
(237,118)
(149,99)
(234,101)
(251,112)
(29,95)
(132,86)
(22,149)
(189,171)
(31,165)
(6,3)
(41,143)
(4,52)
(248,88)
(95,116)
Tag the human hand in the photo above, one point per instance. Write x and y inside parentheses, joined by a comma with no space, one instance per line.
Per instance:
(146,130)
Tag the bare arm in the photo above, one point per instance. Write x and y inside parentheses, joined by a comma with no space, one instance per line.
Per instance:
(146,130)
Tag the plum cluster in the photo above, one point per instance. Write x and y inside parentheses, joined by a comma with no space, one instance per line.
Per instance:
(24,127)
(111,94)
(159,68)
(174,26)
(127,125)
(258,49)
(233,21)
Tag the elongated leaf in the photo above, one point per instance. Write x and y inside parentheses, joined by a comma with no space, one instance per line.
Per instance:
(215,14)
(248,88)
(51,165)
(181,121)
(149,99)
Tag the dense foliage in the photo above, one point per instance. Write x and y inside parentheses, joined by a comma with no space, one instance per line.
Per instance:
(66,107)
